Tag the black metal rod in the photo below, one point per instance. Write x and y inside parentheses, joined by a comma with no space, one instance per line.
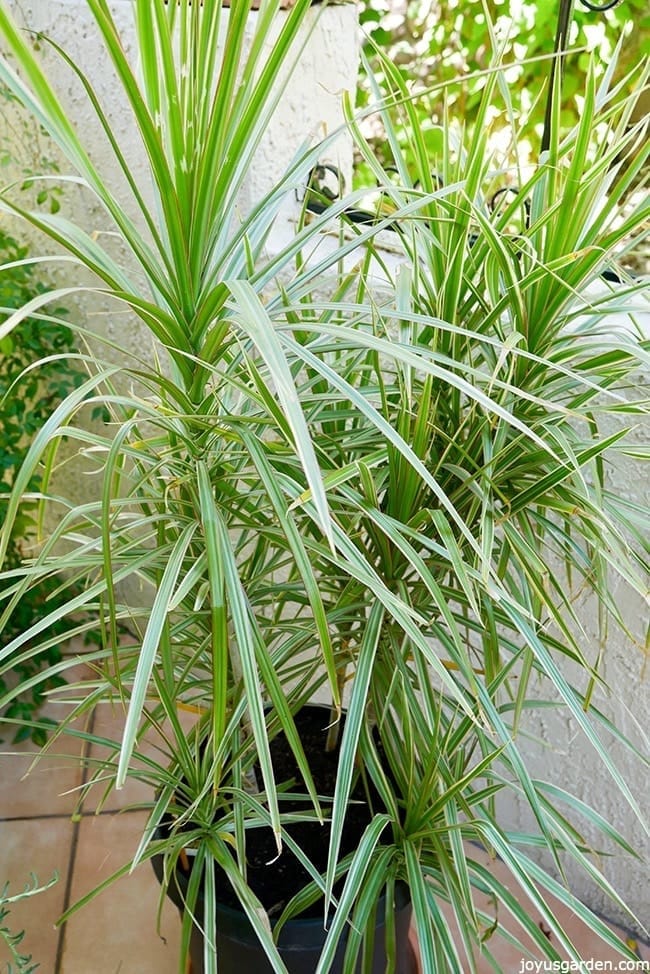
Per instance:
(565,16)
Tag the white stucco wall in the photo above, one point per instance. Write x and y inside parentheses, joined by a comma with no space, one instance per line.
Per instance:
(557,749)
(310,108)
(561,754)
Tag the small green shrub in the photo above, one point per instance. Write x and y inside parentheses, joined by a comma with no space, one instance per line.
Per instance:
(26,400)
(23,962)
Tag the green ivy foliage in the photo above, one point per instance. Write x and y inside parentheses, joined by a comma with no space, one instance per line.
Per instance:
(434,42)
(27,398)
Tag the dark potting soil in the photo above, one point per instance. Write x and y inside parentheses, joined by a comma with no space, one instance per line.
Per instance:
(275,879)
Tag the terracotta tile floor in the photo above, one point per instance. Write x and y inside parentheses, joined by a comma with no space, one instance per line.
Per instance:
(43,830)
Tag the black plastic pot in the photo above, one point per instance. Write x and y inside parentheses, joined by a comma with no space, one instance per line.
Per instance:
(301,940)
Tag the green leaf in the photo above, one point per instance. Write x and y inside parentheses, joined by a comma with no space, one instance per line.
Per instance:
(254,320)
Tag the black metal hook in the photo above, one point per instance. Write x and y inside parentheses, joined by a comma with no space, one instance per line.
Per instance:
(318,196)
(565,16)
(599,8)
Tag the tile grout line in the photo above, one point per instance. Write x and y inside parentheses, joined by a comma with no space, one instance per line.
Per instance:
(60,944)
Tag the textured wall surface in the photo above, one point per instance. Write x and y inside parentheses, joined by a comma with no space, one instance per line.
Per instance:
(310,108)
(557,749)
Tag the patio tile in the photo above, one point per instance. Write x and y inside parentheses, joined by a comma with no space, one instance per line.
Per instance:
(117,930)
(109,724)
(41,847)
(35,784)
(43,781)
